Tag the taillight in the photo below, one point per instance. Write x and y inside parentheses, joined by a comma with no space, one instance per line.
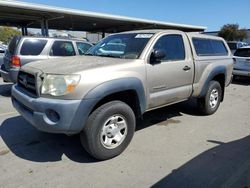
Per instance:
(234,60)
(15,61)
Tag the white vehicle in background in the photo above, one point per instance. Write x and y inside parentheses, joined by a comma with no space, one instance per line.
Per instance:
(234,45)
(242,62)
(2,51)
(3,45)
(25,49)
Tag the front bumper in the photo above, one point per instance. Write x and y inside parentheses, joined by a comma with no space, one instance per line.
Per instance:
(241,72)
(9,76)
(52,115)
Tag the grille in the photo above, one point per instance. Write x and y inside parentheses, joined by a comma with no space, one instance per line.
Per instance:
(27,82)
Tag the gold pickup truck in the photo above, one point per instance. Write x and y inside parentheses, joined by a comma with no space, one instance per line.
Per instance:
(99,95)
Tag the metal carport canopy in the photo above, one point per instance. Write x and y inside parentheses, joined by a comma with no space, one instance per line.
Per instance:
(22,14)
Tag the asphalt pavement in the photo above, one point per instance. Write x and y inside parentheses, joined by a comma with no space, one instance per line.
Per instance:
(173,147)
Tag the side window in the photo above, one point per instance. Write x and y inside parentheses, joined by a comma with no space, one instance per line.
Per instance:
(13,44)
(173,46)
(202,47)
(62,48)
(219,47)
(209,47)
(33,46)
(82,47)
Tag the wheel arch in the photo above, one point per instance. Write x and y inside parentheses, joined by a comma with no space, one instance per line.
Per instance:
(128,90)
(218,74)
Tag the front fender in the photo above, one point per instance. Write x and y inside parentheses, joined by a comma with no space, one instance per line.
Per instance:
(119,85)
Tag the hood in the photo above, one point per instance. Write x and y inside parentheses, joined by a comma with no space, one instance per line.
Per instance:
(71,65)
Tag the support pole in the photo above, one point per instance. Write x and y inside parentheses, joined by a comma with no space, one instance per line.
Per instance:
(103,34)
(42,28)
(45,28)
(23,31)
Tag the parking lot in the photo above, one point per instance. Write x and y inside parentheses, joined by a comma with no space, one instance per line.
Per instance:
(172,147)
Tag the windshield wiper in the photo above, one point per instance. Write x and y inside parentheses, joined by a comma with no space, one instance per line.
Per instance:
(109,55)
(103,55)
(88,54)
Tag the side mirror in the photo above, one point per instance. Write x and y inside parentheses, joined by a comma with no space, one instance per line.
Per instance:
(157,55)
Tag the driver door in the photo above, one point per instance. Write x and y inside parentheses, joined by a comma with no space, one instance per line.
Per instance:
(170,80)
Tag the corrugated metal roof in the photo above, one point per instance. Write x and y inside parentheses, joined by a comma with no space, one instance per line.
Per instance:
(15,13)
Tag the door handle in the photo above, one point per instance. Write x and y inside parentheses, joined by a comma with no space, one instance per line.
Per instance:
(186,68)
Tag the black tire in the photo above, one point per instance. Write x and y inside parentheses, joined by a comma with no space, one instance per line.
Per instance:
(204,105)
(91,135)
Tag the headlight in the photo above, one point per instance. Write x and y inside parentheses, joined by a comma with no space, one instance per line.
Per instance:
(58,85)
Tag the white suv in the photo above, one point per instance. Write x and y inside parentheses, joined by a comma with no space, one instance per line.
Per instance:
(242,62)
(24,49)
(2,51)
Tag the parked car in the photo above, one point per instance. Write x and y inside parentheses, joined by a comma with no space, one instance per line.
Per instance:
(242,62)
(234,45)
(2,51)
(23,50)
(100,95)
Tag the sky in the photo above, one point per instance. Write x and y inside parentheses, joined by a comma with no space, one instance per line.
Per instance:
(212,14)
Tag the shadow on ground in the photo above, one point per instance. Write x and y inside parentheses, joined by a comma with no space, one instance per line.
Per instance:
(225,166)
(5,90)
(245,81)
(168,115)
(28,143)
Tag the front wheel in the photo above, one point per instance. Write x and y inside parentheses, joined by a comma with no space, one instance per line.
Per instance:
(211,102)
(109,130)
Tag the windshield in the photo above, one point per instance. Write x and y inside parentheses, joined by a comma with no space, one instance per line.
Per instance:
(243,52)
(126,46)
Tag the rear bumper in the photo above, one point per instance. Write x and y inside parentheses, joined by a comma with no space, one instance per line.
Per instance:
(9,76)
(52,115)
(241,73)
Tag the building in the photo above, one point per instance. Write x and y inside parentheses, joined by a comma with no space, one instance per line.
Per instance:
(29,15)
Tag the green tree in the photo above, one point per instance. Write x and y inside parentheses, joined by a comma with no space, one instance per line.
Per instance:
(231,32)
(7,33)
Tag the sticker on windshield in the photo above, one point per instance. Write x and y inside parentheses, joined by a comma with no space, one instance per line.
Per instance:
(144,36)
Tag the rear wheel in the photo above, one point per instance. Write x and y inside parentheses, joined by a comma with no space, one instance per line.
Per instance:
(109,130)
(211,101)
